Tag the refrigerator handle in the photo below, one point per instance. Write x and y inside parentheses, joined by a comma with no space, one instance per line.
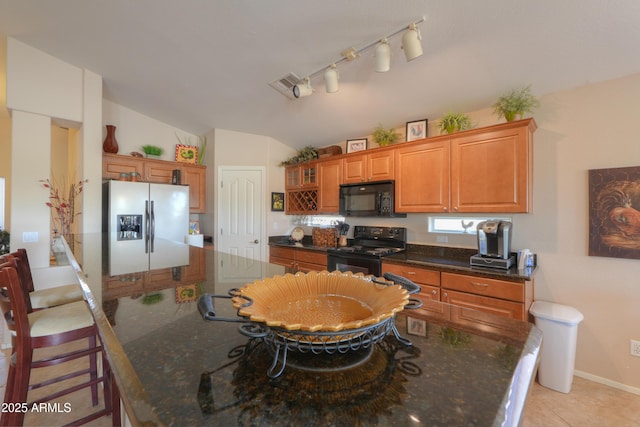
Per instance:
(153,226)
(146,227)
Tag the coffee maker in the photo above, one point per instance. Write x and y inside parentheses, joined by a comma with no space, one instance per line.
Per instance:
(494,244)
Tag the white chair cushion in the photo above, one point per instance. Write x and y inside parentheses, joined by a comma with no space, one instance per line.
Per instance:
(63,318)
(55,296)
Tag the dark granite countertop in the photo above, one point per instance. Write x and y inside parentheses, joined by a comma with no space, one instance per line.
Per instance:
(174,368)
(443,258)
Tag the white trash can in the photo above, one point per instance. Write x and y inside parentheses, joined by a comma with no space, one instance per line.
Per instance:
(559,326)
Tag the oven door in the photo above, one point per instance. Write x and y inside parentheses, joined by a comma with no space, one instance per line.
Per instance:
(354,263)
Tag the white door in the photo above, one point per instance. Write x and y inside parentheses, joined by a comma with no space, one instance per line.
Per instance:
(241,217)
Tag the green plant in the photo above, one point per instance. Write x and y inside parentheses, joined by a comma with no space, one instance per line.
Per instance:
(4,242)
(515,102)
(152,150)
(452,122)
(384,137)
(304,155)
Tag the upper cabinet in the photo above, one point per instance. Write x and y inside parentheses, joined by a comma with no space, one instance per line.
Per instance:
(161,172)
(422,177)
(491,171)
(329,179)
(375,166)
(484,170)
(301,176)
(480,171)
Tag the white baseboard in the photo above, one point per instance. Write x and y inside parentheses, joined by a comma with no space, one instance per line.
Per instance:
(605,381)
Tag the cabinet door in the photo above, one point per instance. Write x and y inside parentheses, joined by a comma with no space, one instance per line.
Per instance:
(354,169)
(292,177)
(380,166)
(376,166)
(422,177)
(490,171)
(113,165)
(158,171)
(196,178)
(330,176)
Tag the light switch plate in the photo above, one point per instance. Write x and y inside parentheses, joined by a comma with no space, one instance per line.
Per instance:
(29,236)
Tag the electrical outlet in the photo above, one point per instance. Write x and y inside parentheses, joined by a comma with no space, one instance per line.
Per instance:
(635,348)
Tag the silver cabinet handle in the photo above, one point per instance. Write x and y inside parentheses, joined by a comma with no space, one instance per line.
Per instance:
(482,285)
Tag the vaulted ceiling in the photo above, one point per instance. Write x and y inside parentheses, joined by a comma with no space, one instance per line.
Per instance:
(203,64)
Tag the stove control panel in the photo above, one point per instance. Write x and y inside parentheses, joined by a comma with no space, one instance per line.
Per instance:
(368,232)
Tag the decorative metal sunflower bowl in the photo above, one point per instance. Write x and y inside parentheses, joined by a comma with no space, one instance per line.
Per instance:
(319,301)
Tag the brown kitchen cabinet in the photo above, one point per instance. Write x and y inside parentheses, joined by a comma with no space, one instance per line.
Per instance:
(427,279)
(480,171)
(113,165)
(375,166)
(301,175)
(499,297)
(422,177)
(161,172)
(298,259)
(329,179)
(491,170)
(488,295)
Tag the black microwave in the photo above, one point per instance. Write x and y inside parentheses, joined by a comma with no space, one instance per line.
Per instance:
(368,199)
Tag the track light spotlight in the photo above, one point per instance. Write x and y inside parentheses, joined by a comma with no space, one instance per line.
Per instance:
(383,56)
(303,88)
(331,79)
(411,43)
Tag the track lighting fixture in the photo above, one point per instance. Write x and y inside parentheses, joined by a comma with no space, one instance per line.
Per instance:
(303,88)
(383,56)
(331,79)
(410,44)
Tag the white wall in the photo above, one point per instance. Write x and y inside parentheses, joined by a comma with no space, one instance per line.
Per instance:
(241,149)
(133,130)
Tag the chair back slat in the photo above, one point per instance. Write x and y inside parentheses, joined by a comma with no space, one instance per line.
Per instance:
(25,276)
(25,269)
(10,282)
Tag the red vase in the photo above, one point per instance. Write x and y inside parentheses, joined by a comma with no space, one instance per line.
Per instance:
(110,145)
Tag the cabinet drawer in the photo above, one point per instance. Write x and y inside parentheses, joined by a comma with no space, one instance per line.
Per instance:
(285,262)
(484,304)
(306,267)
(280,252)
(312,257)
(513,291)
(419,275)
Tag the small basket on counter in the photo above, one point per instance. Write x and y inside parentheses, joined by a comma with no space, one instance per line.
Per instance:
(325,237)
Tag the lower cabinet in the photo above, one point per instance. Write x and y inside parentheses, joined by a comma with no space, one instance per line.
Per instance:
(298,259)
(499,297)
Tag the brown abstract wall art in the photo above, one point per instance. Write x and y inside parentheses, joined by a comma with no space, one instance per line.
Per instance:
(614,212)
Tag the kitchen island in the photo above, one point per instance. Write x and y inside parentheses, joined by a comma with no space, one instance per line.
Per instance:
(174,368)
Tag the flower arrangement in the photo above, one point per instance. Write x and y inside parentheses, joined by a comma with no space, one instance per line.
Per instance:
(384,137)
(62,201)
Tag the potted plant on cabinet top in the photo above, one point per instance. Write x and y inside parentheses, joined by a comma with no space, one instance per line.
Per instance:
(384,137)
(453,122)
(515,103)
(152,151)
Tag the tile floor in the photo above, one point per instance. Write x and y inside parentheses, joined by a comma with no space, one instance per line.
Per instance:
(589,404)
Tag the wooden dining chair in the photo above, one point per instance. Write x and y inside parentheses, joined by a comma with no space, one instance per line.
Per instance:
(47,328)
(44,297)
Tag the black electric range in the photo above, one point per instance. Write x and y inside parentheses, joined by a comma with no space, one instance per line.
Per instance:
(370,245)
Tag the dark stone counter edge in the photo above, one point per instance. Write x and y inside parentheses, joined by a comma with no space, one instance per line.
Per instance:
(448,259)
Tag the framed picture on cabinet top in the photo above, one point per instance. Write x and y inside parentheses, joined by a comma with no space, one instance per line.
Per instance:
(417,129)
(194,227)
(186,154)
(354,145)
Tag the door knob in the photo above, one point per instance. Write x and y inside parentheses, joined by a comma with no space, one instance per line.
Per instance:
(255,241)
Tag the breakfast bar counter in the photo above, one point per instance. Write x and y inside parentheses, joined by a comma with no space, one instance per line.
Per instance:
(172,367)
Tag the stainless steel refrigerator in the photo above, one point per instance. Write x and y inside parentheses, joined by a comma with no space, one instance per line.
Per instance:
(146,224)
